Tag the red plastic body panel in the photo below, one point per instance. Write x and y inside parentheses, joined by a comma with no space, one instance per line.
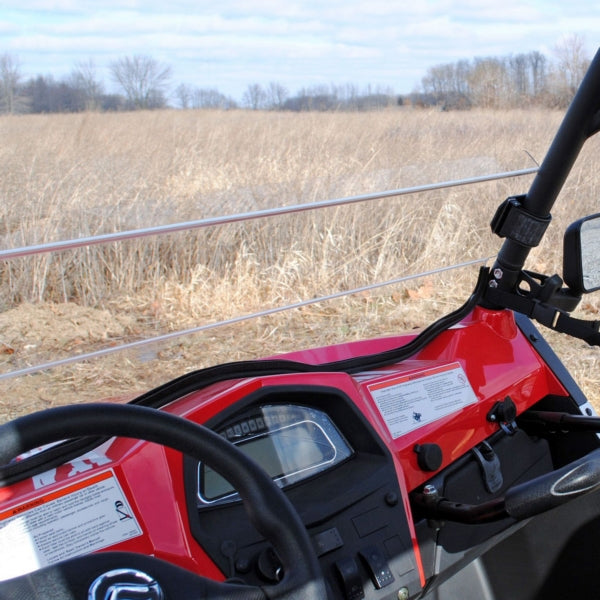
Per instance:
(495,356)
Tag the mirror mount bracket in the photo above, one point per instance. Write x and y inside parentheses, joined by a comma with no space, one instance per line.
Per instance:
(547,290)
(548,303)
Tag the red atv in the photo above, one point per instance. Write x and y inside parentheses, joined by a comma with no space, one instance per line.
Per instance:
(461,462)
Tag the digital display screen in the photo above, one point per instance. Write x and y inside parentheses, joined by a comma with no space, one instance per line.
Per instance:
(298,450)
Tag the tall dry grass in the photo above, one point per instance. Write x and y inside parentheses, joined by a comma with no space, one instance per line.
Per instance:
(67,176)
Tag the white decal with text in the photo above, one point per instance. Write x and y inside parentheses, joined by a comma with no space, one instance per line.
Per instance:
(410,401)
(77,519)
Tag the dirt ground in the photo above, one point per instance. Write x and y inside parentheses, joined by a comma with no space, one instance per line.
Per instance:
(38,334)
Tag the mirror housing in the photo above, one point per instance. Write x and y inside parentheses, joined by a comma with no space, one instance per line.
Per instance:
(581,255)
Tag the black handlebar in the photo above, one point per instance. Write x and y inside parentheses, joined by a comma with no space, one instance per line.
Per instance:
(523,500)
(555,488)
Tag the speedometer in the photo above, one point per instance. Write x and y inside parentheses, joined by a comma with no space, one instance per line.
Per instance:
(289,442)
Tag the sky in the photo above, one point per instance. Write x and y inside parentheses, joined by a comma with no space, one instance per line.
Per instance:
(230,44)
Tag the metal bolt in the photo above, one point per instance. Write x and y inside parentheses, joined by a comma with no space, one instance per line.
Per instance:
(430,494)
(403,593)
(493,283)
(498,273)
(429,490)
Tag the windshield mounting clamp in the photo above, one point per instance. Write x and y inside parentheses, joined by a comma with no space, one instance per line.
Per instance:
(514,222)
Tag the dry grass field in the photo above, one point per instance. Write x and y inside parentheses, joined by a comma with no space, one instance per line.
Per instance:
(68,176)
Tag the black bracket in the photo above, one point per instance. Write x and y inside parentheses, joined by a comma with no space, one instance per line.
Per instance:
(548,303)
(514,222)
(504,414)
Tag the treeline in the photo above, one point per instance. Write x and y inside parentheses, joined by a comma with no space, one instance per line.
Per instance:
(511,81)
(143,83)
(43,94)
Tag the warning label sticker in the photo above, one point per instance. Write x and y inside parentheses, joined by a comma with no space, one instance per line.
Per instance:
(74,520)
(410,401)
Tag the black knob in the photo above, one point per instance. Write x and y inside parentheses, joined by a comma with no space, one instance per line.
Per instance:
(429,456)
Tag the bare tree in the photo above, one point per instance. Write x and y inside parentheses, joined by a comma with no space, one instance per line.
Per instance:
(489,83)
(277,95)
(255,97)
(572,64)
(84,79)
(212,98)
(537,63)
(448,85)
(183,93)
(439,81)
(143,80)
(349,93)
(519,75)
(10,76)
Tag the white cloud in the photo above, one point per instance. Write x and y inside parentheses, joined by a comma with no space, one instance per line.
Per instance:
(297,42)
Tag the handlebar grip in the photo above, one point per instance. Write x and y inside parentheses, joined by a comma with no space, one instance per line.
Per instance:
(555,488)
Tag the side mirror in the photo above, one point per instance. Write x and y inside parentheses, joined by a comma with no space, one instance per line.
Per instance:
(581,255)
